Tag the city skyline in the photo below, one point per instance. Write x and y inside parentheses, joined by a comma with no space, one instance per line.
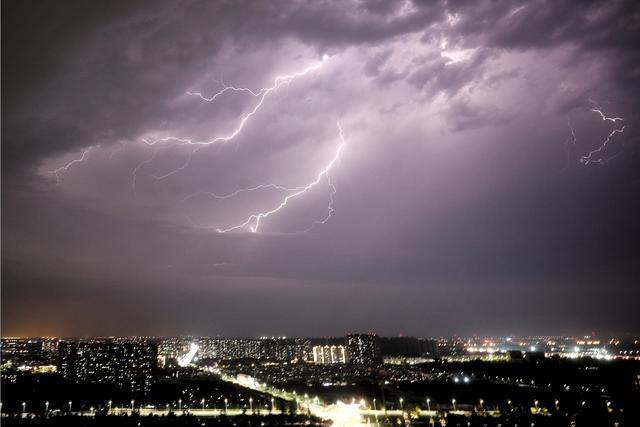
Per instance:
(354,380)
(290,169)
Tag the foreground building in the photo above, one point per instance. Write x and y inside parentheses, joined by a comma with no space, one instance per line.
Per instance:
(127,365)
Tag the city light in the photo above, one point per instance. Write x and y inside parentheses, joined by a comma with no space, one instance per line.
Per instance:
(320,213)
(258,364)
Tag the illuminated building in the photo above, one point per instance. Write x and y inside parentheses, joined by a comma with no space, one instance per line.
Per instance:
(266,348)
(363,349)
(328,354)
(127,365)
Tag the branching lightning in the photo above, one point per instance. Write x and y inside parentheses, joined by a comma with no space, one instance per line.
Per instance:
(178,169)
(330,209)
(242,190)
(56,172)
(253,221)
(592,157)
(595,155)
(134,174)
(605,118)
(261,94)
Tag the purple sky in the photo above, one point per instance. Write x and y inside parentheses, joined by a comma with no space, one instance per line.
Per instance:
(461,204)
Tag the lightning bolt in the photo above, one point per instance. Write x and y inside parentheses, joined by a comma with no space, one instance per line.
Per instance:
(242,190)
(82,158)
(253,220)
(605,118)
(225,90)
(589,158)
(569,143)
(178,169)
(261,94)
(330,208)
(134,174)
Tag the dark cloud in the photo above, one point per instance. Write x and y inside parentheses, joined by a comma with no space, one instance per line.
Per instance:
(462,115)
(456,198)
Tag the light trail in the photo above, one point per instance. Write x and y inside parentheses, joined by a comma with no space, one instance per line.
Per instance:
(65,167)
(253,221)
(178,169)
(187,358)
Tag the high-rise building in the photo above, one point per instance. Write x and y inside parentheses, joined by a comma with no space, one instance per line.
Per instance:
(329,354)
(127,365)
(363,349)
(266,348)
(282,349)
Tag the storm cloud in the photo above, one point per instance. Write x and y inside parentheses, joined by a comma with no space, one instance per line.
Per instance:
(461,204)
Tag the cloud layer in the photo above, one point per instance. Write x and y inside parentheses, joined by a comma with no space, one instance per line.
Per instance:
(459,201)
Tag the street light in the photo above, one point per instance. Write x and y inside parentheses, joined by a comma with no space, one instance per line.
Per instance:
(272,401)
(179,405)
(481,402)
(109,402)
(226,401)
(202,402)
(70,402)
(428,404)
(375,410)
(453,403)
(24,406)
(401,408)
(133,402)
(535,402)
(46,406)
(251,405)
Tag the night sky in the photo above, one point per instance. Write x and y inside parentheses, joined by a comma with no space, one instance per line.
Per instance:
(460,201)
